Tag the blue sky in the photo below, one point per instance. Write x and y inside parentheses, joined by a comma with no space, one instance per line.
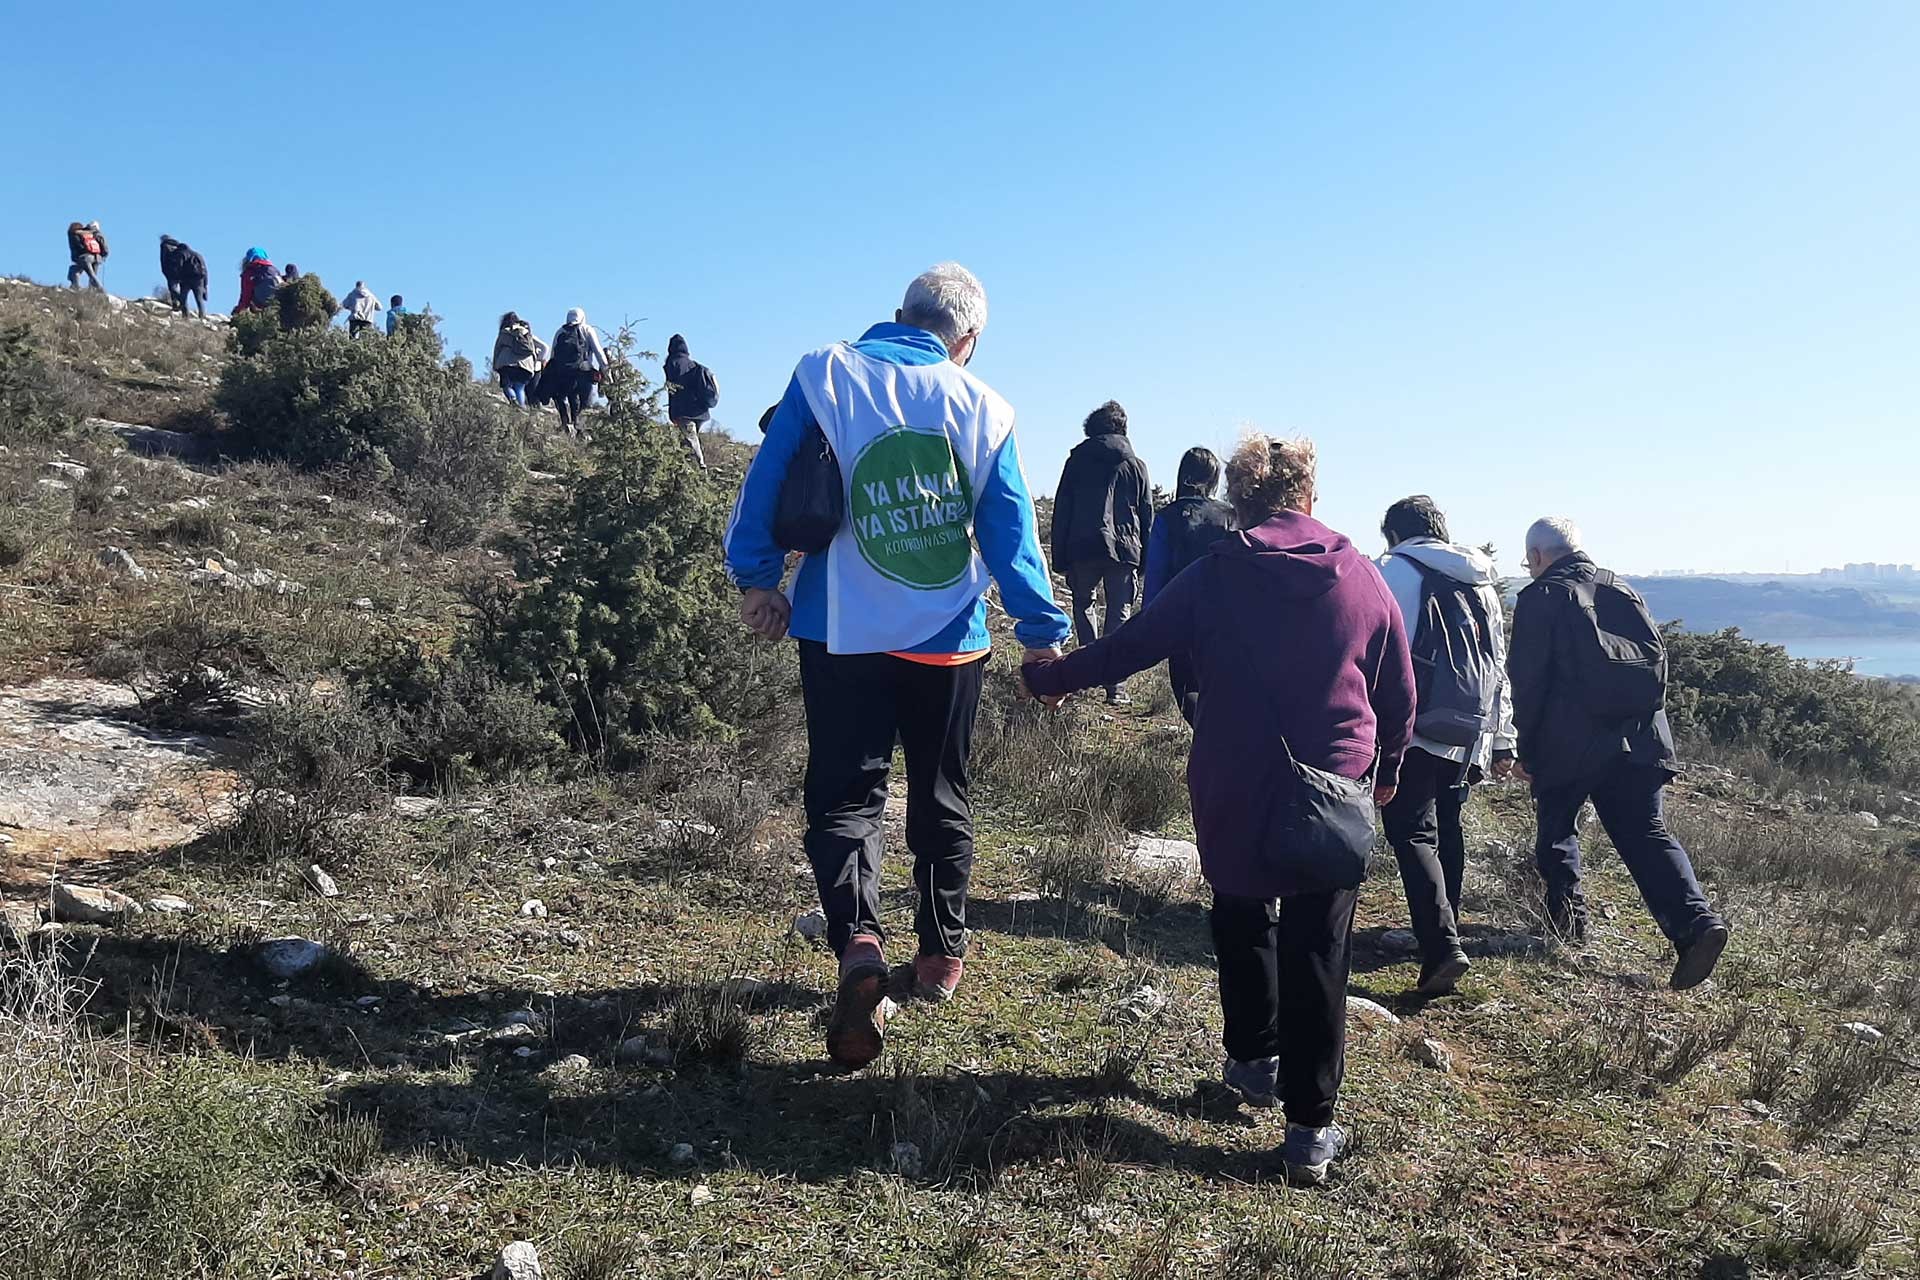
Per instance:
(1653,266)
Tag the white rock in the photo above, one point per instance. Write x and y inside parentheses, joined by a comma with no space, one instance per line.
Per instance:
(1141,1005)
(66,470)
(1371,1011)
(367,1002)
(1154,851)
(320,882)
(906,1160)
(534,909)
(17,922)
(120,560)
(571,1067)
(519,1018)
(1429,1052)
(363,603)
(548,864)
(414,806)
(169,905)
(1864,1032)
(667,828)
(700,1195)
(518,1261)
(812,926)
(289,957)
(85,904)
(682,1153)
(54,486)
(385,519)
(1868,820)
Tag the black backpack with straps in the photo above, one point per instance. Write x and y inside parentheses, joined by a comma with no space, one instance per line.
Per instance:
(1620,669)
(1454,674)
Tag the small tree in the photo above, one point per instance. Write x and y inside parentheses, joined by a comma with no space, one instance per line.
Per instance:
(628,626)
(30,402)
(306,304)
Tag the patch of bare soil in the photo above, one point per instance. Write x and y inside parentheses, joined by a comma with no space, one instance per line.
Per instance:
(82,781)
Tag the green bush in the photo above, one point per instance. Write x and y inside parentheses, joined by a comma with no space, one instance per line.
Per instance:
(455,720)
(389,411)
(32,403)
(1809,715)
(628,625)
(306,304)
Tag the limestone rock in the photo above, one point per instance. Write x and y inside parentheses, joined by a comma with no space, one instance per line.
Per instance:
(17,922)
(812,926)
(85,904)
(119,560)
(169,905)
(65,470)
(700,1195)
(1864,1032)
(1429,1052)
(1868,820)
(1371,1012)
(289,957)
(682,1153)
(533,909)
(320,882)
(518,1261)
(1400,941)
(414,806)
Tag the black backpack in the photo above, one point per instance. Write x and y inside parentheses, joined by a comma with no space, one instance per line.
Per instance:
(570,350)
(1620,670)
(813,497)
(1454,675)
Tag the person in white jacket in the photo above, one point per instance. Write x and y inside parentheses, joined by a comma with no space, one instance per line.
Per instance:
(1462,742)
(361,306)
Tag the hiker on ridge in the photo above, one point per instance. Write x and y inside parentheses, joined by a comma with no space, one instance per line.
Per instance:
(396,309)
(1102,511)
(259,282)
(691,395)
(575,364)
(1307,707)
(1450,601)
(1589,671)
(87,248)
(517,356)
(186,275)
(361,306)
(892,618)
(1183,531)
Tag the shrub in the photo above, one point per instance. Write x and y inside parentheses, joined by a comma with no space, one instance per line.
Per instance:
(628,624)
(316,762)
(306,304)
(32,401)
(455,720)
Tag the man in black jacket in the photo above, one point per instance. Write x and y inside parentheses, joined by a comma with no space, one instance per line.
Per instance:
(1102,513)
(691,394)
(1569,625)
(185,272)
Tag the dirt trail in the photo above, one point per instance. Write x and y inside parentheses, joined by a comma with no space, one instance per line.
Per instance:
(82,782)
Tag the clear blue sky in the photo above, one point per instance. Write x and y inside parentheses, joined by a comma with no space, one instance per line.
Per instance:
(1654,266)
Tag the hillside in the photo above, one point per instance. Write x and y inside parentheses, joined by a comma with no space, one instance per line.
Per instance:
(388,978)
(1778,611)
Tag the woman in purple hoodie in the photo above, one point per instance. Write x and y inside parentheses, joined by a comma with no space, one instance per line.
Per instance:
(1301,655)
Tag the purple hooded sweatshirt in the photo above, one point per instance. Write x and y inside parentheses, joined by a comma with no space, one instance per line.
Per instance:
(1290,632)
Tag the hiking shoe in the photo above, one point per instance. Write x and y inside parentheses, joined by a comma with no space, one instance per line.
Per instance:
(1309,1153)
(1699,956)
(1568,924)
(857,1031)
(936,977)
(1257,1082)
(1440,977)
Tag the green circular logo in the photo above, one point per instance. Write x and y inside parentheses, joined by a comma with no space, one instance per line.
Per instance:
(910,506)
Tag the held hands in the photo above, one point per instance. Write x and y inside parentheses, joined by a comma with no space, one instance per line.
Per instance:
(1038,655)
(1505,767)
(765,612)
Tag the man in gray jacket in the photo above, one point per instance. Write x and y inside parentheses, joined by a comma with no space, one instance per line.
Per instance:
(1454,593)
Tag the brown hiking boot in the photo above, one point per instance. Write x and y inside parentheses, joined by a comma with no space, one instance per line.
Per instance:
(936,978)
(857,1031)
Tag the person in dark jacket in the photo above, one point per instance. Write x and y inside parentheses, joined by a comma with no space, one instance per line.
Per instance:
(691,394)
(1102,512)
(1183,531)
(574,364)
(186,275)
(1301,651)
(87,253)
(1571,755)
(259,282)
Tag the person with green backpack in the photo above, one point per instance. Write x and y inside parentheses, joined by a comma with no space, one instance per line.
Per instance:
(1589,673)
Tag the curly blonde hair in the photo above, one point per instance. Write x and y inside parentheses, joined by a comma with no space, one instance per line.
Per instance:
(1266,475)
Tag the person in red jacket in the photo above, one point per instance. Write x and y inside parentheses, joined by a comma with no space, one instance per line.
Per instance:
(259,282)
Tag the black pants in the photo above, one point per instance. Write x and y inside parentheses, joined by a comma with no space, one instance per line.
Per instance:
(571,391)
(178,295)
(356,326)
(1423,825)
(1118,582)
(858,706)
(1283,991)
(1630,801)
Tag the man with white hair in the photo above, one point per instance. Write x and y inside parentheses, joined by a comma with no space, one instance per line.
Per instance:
(1589,674)
(892,618)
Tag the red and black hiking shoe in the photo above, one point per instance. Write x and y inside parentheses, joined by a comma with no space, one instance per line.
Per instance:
(936,978)
(858,1029)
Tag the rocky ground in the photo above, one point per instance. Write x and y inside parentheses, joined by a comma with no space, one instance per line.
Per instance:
(586,1014)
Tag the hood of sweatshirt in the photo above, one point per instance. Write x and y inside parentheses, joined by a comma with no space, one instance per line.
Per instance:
(676,346)
(1302,557)
(1463,564)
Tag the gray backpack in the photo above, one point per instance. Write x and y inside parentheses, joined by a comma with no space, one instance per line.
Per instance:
(1454,674)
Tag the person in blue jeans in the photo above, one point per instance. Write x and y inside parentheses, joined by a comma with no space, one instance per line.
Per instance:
(1571,754)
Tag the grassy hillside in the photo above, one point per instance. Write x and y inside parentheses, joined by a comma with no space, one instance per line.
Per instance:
(571,1006)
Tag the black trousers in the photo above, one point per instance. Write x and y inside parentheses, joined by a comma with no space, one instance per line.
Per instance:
(858,706)
(179,294)
(1283,991)
(1630,800)
(1423,825)
(1118,582)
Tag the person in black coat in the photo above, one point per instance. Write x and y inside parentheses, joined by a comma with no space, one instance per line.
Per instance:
(691,394)
(186,275)
(1183,531)
(1572,752)
(1102,513)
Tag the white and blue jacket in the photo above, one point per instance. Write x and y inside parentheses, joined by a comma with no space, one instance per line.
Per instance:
(937,503)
